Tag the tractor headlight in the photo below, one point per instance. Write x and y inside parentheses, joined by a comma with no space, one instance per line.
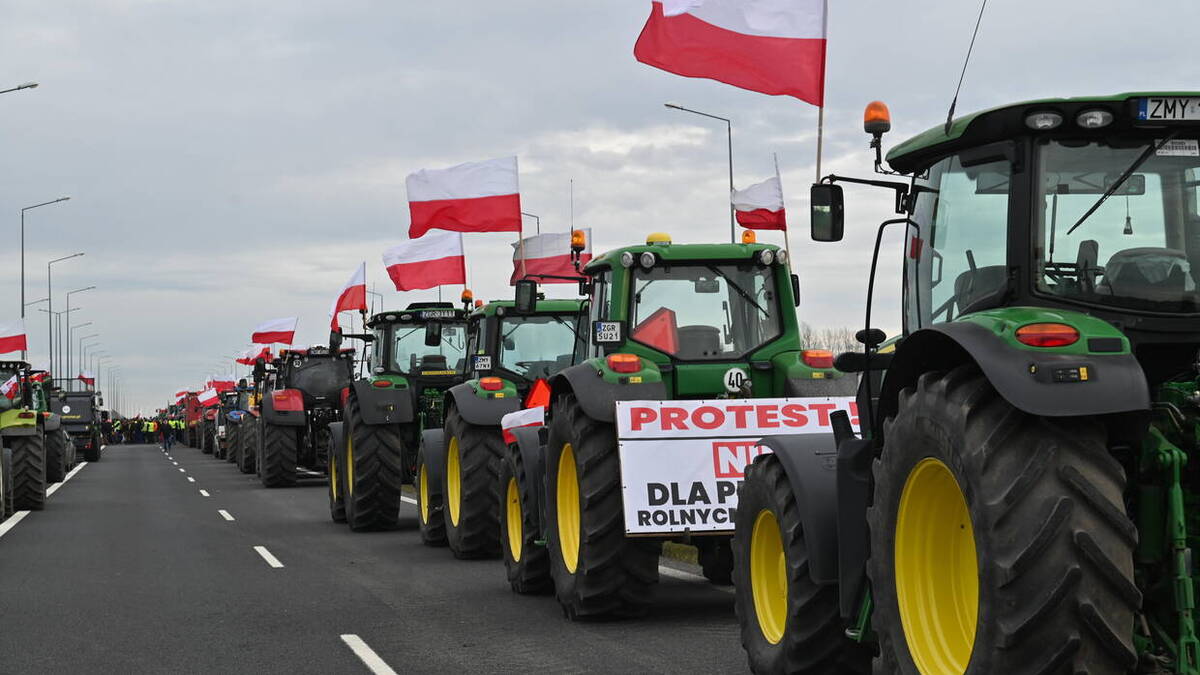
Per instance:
(1043,121)
(781,257)
(765,258)
(646,259)
(1094,119)
(626,259)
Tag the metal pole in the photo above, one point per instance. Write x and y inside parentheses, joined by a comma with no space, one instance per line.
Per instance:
(537,220)
(732,211)
(820,138)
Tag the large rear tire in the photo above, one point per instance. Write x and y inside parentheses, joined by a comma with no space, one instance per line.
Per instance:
(279,447)
(526,560)
(982,511)
(6,477)
(373,471)
(336,486)
(245,444)
(92,454)
(431,517)
(469,488)
(788,623)
(29,472)
(597,570)
(206,439)
(56,456)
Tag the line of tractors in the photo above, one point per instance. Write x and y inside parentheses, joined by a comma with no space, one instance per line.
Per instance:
(1008,490)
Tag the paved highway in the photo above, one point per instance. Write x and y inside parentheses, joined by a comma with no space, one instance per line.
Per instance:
(144,562)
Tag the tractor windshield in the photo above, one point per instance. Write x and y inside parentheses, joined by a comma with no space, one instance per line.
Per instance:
(1140,249)
(410,354)
(538,345)
(705,312)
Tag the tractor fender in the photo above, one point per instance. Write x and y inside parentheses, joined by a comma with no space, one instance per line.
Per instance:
(1024,378)
(20,430)
(285,418)
(810,463)
(531,443)
(434,443)
(480,412)
(53,422)
(596,396)
(389,405)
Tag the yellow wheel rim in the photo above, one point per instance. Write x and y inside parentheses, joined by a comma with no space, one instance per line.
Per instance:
(516,537)
(349,465)
(937,574)
(453,481)
(568,508)
(333,477)
(423,493)
(768,576)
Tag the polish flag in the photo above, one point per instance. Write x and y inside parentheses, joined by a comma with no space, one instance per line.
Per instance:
(11,387)
(471,197)
(219,385)
(209,397)
(435,259)
(774,47)
(250,357)
(276,330)
(760,206)
(88,377)
(353,296)
(529,417)
(12,336)
(550,254)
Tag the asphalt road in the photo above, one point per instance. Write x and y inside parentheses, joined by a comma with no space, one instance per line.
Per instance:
(132,568)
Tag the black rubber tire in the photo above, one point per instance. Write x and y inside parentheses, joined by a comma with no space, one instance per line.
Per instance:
(529,575)
(615,575)
(1055,546)
(56,456)
(279,447)
(480,451)
(814,641)
(372,496)
(206,440)
(334,477)
(7,507)
(29,472)
(93,454)
(245,444)
(232,443)
(715,555)
(431,519)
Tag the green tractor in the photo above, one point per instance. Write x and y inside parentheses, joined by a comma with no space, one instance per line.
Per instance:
(687,343)
(512,357)
(1021,496)
(416,355)
(41,451)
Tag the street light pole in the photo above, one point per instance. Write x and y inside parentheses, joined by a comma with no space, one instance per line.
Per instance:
(729,137)
(69,294)
(50,300)
(536,220)
(70,332)
(29,208)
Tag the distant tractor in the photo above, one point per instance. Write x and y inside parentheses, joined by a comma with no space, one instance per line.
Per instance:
(80,414)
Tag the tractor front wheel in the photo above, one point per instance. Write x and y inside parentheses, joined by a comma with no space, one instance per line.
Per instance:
(6,482)
(92,453)
(279,447)
(526,560)
(597,570)
(372,471)
(29,472)
(56,456)
(469,491)
(999,540)
(245,444)
(431,516)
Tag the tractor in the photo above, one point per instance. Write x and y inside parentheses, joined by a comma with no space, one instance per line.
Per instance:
(241,423)
(686,343)
(512,356)
(41,452)
(300,402)
(417,354)
(80,413)
(1020,496)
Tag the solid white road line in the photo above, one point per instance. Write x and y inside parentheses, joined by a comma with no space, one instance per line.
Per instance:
(191,480)
(266,555)
(225,514)
(409,500)
(12,522)
(688,576)
(54,488)
(204,493)
(367,655)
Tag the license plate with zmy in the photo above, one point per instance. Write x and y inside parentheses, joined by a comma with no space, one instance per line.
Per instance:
(1169,109)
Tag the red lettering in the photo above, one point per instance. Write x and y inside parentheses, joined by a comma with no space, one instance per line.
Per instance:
(793,415)
(674,418)
(730,458)
(638,417)
(715,417)
(823,412)
(739,414)
(768,416)
(854,414)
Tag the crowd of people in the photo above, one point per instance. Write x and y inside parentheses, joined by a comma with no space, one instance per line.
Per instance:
(142,430)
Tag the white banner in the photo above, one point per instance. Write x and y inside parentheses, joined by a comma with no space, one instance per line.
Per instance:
(683,461)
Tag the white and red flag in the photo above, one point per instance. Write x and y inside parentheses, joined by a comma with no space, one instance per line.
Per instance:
(11,387)
(435,259)
(472,197)
(275,330)
(209,397)
(353,296)
(251,356)
(760,206)
(770,46)
(550,254)
(88,377)
(12,336)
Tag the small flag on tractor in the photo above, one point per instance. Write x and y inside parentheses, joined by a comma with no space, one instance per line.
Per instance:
(209,397)
(353,296)
(760,206)
(88,377)
(11,387)
(275,330)
(435,259)
(550,254)
(472,197)
(12,336)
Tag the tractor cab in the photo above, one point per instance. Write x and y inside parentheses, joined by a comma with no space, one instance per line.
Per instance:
(318,372)
(522,348)
(422,347)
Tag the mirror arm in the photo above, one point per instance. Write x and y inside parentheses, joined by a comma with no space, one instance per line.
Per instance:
(900,188)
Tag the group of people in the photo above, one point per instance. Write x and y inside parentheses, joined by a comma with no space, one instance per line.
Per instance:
(143,430)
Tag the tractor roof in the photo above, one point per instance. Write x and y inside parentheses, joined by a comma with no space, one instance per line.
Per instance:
(13,365)
(662,247)
(542,307)
(418,312)
(1004,122)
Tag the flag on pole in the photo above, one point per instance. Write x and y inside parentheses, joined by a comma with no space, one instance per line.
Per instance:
(12,336)
(472,197)
(11,387)
(774,47)
(88,377)
(219,385)
(760,206)
(209,397)
(353,296)
(550,253)
(275,330)
(250,356)
(435,259)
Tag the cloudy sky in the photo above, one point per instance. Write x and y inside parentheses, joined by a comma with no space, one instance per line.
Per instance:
(230,162)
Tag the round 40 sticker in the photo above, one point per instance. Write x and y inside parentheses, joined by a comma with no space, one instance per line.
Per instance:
(735,379)
(66,408)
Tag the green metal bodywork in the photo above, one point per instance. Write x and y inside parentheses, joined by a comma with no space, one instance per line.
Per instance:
(17,419)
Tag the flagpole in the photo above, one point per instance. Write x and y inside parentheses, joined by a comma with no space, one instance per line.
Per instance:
(820,138)
(521,246)
(786,244)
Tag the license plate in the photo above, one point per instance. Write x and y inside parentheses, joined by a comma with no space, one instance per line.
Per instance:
(606,332)
(438,314)
(1169,109)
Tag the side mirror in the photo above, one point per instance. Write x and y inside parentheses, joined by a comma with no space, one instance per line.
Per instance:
(100,401)
(796,289)
(433,334)
(526,296)
(827,212)
(335,340)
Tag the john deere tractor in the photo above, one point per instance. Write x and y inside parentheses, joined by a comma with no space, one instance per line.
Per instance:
(1020,498)
(512,357)
(416,355)
(681,334)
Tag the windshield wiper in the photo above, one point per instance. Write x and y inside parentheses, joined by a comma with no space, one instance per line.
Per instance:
(1150,149)
(741,291)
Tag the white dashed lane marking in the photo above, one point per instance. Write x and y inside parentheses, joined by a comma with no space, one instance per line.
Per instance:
(266,555)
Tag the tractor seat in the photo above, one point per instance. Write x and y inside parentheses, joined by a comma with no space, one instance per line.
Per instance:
(1160,274)
(980,288)
(697,342)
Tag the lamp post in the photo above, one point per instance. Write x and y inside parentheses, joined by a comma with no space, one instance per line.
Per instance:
(29,208)
(84,348)
(30,304)
(70,331)
(56,347)
(69,294)
(19,87)
(50,297)
(729,135)
(536,220)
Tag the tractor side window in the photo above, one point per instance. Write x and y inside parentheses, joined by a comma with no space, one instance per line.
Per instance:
(956,262)
(536,346)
